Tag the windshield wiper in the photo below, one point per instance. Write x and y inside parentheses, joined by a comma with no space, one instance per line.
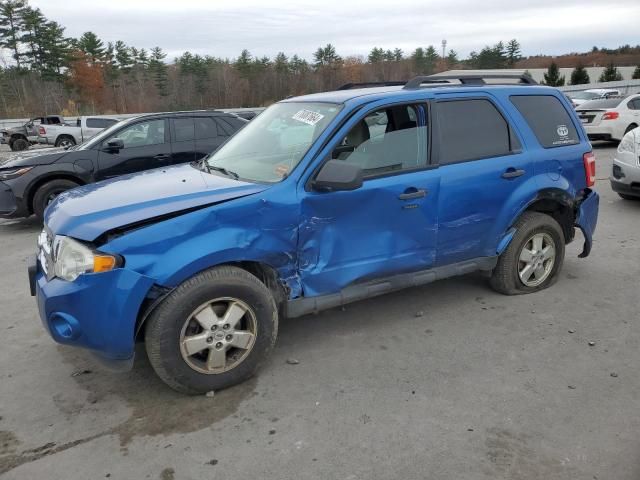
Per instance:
(222,170)
(204,165)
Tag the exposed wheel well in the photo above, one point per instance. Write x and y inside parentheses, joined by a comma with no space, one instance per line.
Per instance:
(561,212)
(59,176)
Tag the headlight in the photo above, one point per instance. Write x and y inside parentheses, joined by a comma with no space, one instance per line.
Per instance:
(73,258)
(10,173)
(627,144)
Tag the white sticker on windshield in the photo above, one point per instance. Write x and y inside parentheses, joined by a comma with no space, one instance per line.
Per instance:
(307,116)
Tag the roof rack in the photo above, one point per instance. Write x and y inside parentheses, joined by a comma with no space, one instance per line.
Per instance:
(472,77)
(350,86)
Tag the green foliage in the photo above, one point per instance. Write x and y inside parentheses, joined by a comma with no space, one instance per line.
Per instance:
(158,70)
(610,74)
(11,24)
(92,46)
(553,77)
(326,57)
(489,57)
(425,60)
(579,76)
(452,58)
(513,53)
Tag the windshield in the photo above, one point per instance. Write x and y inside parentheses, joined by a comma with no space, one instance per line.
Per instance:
(95,140)
(584,95)
(273,143)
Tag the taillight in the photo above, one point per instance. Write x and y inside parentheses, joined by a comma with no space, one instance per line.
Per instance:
(589,160)
(610,115)
(41,131)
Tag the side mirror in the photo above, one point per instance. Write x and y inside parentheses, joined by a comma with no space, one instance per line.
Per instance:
(114,145)
(338,175)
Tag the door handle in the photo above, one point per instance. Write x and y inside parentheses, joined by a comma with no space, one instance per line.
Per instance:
(412,195)
(513,173)
(161,156)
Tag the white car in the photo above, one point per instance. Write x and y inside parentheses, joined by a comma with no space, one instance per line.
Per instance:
(625,175)
(611,118)
(578,98)
(69,135)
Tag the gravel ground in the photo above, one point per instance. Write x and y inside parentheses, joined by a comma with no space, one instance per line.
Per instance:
(446,381)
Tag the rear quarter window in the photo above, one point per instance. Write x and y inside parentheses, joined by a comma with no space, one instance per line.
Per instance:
(549,120)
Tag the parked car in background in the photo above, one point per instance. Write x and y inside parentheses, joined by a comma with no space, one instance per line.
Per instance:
(625,175)
(30,181)
(611,118)
(319,201)
(20,138)
(70,135)
(578,98)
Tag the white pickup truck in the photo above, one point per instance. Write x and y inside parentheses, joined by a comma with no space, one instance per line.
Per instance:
(68,135)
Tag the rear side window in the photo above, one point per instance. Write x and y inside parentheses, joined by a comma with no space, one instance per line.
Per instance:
(184,129)
(548,119)
(100,122)
(206,127)
(471,130)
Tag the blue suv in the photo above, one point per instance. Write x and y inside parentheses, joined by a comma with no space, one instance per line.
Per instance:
(321,200)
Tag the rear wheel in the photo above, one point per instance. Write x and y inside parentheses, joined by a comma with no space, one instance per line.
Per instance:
(65,141)
(213,331)
(534,257)
(48,192)
(19,144)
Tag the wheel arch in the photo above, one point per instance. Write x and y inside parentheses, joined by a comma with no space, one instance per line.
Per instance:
(65,135)
(558,204)
(267,274)
(33,188)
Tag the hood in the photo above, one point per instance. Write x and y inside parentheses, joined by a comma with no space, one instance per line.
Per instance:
(27,158)
(89,211)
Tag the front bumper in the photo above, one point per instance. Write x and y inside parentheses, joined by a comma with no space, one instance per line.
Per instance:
(587,218)
(96,311)
(625,177)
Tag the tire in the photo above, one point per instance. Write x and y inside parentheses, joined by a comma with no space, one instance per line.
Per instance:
(506,277)
(629,197)
(47,192)
(173,322)
(19,144)
(65,141)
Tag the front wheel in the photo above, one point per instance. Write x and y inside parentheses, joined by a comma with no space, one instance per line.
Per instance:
(534,257)
(213,331)
(48,192)
(19,145)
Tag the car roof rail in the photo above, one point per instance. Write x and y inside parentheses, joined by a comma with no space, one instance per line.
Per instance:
(350,86)
(472,78)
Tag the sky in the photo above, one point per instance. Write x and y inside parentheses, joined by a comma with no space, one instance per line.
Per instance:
(224,28)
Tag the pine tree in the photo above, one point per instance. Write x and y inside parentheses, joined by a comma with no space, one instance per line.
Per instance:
(553,77)
(579,76)
(158,70)
(281,64)
(513,53)
(33,24)
(636,73)
(11,24)
(92,46)
(244,64)
(376,55)
(610,74)
(326,56)
(452,58)
(398,55)
(123,56)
